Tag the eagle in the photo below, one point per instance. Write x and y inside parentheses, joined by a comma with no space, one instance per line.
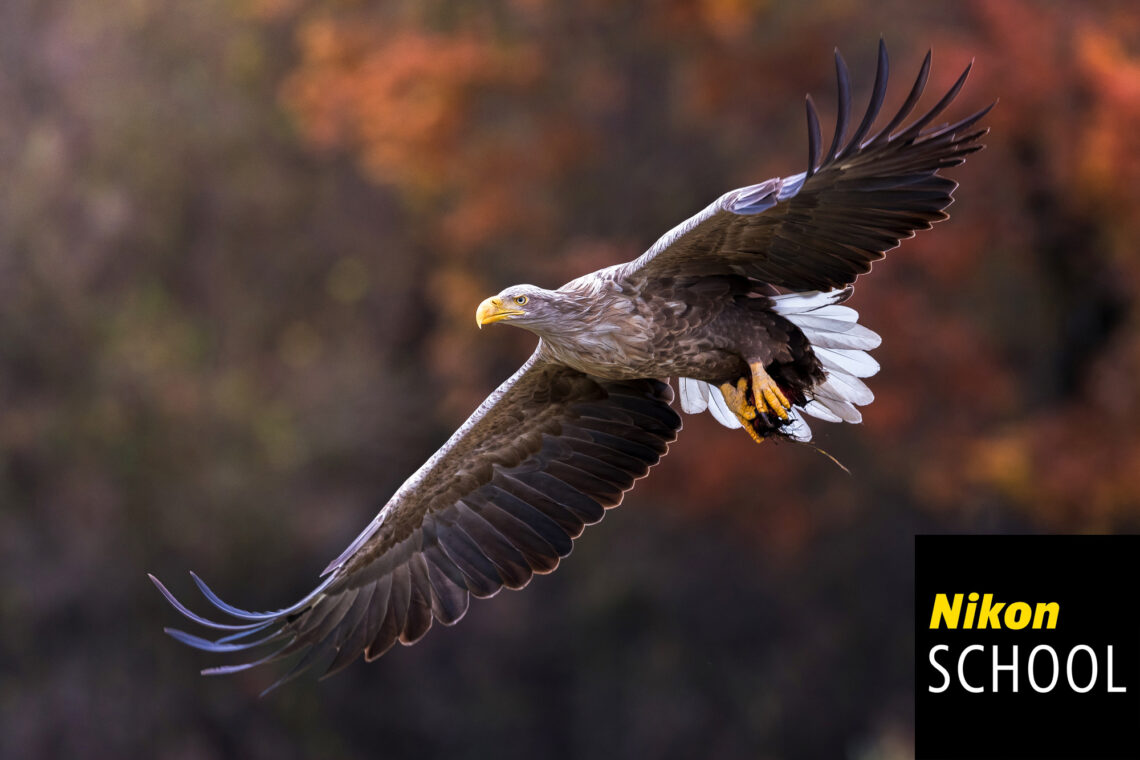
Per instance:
(742,304)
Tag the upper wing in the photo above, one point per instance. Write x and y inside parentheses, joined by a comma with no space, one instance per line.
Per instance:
(543,456)
(821,229)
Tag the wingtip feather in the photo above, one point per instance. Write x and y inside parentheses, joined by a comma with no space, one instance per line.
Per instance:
(215,600)
(814,136)
(878,95)
(843,109)
(191,615)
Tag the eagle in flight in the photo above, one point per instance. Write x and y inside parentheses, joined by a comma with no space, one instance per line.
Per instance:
(741,303)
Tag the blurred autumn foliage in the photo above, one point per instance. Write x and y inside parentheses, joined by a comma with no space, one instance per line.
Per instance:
(240,248)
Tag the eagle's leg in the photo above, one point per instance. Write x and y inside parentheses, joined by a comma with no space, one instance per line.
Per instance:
(736,396)
(769,397)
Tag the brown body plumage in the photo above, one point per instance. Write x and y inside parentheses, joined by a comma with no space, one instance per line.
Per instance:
(624,326)
(741,303)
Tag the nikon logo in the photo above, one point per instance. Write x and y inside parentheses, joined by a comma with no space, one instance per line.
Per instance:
(991,614)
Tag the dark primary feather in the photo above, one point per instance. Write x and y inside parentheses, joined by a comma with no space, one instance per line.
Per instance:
(821,229)
(545,455)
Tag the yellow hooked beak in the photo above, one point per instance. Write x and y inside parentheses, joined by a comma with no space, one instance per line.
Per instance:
(493,310)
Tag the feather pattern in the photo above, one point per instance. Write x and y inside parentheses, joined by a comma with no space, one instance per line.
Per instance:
(544,456)
(821,229)
(815,232)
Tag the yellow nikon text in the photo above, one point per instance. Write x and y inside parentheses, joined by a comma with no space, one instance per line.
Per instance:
(991,614)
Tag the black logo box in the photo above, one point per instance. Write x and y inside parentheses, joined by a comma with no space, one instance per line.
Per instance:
(1093,580)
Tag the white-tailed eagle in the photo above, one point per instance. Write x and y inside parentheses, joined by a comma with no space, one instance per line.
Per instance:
(741,303)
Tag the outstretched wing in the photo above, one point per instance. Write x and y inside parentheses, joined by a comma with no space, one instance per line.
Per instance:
(542,457)
(821,229)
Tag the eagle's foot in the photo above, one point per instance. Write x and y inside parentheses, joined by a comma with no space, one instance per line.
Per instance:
(737,397)
(769,398)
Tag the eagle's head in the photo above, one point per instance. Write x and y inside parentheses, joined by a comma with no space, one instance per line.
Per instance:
(527,306)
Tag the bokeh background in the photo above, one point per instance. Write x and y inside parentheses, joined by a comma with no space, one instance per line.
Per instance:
(241,243)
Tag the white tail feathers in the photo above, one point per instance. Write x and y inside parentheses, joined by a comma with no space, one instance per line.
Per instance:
(840,343)
(697,396)
(694,395)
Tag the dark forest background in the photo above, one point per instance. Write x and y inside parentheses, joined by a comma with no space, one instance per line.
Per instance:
(241,244)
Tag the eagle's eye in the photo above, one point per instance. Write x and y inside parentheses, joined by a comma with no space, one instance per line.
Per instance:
(521,300)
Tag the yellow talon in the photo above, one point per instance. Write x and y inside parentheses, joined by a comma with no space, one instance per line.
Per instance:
(768,395)
(736,396)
